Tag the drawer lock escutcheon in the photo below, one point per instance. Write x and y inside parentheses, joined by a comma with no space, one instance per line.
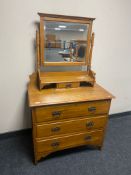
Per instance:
(92,109)
(56,113)
(55,144)
(90,124)
(68,85)
(88,138)
(56,129)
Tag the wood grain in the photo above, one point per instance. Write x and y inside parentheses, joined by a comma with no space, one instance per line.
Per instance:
(68,85)
(42,41)
(61,96)
(64,63)
(64,16)
(64,77)
(68,114)
(68,141)
(88,43)
(57,112)
(70,110)
(69,19)
(38,62)
(70,126)
(91,50)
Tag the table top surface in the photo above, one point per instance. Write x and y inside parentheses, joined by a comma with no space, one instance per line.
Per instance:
(53,96)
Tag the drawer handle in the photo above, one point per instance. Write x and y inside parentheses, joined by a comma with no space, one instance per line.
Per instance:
(55,144)
(56,129)
(56,113)
(88,138)
(91,109)
(68,85)
(90,124)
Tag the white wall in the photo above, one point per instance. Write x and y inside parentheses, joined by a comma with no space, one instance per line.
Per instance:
(68,35)
(111,58)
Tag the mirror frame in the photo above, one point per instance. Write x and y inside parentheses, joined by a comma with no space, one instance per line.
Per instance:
(62,18)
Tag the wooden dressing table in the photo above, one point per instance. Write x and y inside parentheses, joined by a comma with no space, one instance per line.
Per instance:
(69,109)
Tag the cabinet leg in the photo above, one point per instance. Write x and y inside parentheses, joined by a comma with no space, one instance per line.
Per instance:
(100,148)
(35,162)
(39,156)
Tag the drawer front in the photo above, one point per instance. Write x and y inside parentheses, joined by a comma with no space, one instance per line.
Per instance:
(68,85)
(88,138)
(64,127)
(57,112)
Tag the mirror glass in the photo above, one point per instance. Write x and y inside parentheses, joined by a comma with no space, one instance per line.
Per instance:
(65,41)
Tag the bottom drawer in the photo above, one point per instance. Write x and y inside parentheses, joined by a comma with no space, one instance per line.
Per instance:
(53,144)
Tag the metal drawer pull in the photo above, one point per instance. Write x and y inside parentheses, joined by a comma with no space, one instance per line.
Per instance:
(56,113)
(91,109)
(55,144)
(90,124)
(68,85)
(56,129)
(88,138)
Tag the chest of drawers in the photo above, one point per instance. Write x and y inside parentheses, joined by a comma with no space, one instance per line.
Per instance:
(68,108)
(66,118)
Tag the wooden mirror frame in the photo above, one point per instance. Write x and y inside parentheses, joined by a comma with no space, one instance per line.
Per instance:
(63,18)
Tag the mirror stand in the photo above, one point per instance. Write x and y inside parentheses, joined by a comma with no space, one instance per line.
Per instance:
(71,45)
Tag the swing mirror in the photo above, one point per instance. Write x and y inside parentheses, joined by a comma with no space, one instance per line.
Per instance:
(64,41)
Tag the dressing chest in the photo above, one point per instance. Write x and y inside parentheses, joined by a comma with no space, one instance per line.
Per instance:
(69,108)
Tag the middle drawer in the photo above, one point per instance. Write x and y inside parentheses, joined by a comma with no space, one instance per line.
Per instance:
(70,126)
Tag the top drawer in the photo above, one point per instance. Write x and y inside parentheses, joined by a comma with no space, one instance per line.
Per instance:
(54,112)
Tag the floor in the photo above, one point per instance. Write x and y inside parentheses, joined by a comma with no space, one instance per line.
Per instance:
(115,159)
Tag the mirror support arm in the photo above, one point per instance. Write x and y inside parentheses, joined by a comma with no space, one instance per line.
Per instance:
(37,51)
(91,50)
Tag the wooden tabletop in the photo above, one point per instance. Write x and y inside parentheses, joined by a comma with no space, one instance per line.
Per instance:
(52,96)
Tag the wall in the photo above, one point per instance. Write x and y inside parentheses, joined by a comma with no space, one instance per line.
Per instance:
(111,57)
(67,36)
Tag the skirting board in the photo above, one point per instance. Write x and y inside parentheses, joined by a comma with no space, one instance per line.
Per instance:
(16,133)
(29,132)
(118,115)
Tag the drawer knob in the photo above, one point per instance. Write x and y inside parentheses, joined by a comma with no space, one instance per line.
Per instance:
(56,129)
(92,109)
(55,144)
(90,124)
(56,113)
(88,138)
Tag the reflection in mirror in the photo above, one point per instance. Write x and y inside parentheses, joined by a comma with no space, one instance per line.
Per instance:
(65,42)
